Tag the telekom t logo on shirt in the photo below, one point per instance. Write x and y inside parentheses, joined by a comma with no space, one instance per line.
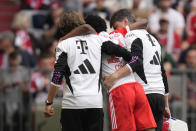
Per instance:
(82,45)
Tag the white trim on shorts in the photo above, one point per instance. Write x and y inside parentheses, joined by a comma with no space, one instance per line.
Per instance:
(112,113)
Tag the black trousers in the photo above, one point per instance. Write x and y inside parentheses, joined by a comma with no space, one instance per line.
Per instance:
(82,119)
(157,104)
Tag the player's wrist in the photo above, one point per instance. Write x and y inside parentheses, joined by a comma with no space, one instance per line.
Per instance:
(48,103)
(115,76)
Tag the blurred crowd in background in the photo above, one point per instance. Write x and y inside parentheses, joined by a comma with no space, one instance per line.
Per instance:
(27,46)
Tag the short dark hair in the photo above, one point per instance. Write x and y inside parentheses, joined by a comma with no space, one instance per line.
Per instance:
(13,55)
(96,22)
(70,20)
(120,15)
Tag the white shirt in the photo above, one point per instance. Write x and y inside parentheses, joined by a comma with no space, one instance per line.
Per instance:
(83,62)
(151,61)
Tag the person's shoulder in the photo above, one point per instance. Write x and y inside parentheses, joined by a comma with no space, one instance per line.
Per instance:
(71,40)
(136,33)
(93,35)
(174,12)
(155,13)
(104,34)
(62,45)
(81,37)
(66,41)
(22,70)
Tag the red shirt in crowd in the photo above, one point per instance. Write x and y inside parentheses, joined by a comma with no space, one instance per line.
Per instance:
(191,27)
(163,39)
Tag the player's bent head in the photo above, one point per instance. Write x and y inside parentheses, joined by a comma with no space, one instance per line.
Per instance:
(70,20)
(120,15)
(96,22)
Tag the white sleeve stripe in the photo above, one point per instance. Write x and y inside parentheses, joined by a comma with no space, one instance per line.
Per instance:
(55,84)
(129,67)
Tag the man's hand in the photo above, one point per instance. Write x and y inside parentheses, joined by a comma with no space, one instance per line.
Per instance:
(49,111)
(109,81)
(167,112)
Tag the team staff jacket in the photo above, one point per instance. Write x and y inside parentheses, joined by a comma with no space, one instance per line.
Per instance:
(78,59)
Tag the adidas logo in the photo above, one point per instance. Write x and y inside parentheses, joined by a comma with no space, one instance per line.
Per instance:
(156,60)
(85,68)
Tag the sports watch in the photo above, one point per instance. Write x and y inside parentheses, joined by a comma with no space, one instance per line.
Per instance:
(48,103)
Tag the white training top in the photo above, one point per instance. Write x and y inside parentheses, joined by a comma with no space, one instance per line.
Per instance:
(151,52)
(79,60)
